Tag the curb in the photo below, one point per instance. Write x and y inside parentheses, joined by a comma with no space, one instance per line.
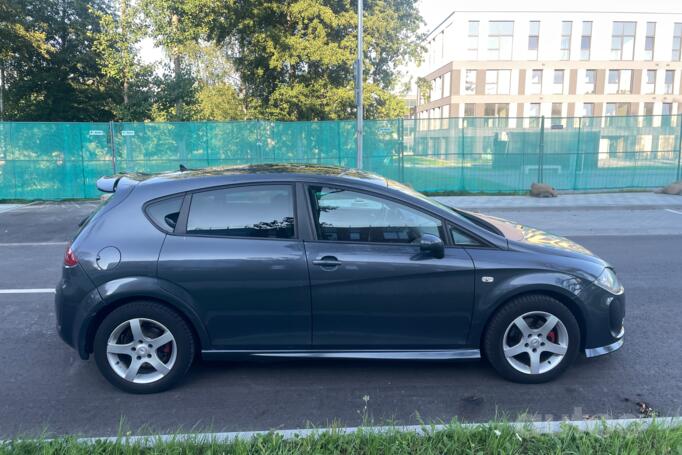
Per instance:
(540,427)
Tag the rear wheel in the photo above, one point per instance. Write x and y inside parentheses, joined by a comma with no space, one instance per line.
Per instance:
(143,347)
(532,339)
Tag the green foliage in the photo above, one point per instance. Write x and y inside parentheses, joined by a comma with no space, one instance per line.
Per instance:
(219,102)
(295,57)
(116,44)
(78,60)
(454,439)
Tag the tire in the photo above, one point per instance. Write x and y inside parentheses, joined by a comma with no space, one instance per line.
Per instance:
(553,345)
(153,362)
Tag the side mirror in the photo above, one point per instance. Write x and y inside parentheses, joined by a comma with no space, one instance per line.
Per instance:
(432,245)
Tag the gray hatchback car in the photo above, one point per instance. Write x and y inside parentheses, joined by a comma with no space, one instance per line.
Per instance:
(323,262)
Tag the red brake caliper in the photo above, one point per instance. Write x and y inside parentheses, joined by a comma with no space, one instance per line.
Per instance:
(551,336)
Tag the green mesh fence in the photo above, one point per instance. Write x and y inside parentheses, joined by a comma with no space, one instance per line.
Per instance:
(63,160)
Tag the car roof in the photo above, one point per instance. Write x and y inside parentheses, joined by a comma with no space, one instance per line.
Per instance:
(261,172)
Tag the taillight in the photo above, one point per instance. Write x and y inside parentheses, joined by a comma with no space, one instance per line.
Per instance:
(70,259)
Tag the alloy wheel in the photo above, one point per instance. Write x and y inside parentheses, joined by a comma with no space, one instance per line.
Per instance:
(535,342)
(141,350)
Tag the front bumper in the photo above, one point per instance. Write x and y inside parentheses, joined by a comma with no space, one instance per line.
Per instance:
(601,350)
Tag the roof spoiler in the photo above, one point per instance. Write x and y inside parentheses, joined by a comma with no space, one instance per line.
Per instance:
(111,184)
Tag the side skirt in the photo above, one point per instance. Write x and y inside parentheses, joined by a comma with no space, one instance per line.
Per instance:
(449,354)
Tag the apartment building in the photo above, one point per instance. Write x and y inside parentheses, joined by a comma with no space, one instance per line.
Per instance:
(552,64)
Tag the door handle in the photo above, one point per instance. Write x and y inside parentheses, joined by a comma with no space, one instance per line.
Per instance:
(327,261)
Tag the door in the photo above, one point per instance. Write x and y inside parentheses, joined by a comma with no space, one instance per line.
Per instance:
(372,287)
(241,262)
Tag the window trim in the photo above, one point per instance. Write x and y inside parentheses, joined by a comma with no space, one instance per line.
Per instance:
(181,228)
(314,238)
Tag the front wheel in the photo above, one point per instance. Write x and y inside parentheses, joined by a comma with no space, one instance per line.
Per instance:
(143,347)
(532,339)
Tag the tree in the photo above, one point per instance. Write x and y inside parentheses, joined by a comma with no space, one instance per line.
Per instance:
(66,83)
(20,40)
(177,25)
(295,57)
(116,44)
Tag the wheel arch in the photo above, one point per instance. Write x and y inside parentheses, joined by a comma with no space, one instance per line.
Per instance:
(120,292)
(557,294)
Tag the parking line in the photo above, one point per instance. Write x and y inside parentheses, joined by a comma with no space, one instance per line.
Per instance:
(26,291)
(673,211)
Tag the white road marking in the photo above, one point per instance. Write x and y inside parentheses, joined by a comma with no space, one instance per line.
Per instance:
(673,211)
(27,291)
(34,244)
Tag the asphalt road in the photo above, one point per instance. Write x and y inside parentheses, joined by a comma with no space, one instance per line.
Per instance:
(45,387)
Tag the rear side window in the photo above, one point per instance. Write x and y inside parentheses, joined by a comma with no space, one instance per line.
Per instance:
(265,211)
(164,213)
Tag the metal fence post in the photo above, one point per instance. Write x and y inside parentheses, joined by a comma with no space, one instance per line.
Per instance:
(401,150)
(541,151)
(577,155)
(462,186)
(679,148)
(113,146)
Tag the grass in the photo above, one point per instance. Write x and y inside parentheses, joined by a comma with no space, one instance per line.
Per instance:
(494,438)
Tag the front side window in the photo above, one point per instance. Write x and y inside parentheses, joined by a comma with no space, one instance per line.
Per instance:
(470,82)
(535,82)
(349,216)
(650,82)
(472,40)
(265,211)
(558,88)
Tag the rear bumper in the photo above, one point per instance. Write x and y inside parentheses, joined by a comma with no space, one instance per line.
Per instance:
(75,299)
(601,350)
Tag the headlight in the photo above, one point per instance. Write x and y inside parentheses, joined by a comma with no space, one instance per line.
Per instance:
(609,281)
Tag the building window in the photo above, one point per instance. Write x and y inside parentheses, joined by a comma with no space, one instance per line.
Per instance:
(590,82)
(650,41)
(436,89)
(648,108)
(588,109)
(498,113)
(558,88)
(649,82)
(469,111)
(497,82)
(677,42)
(446,84)
(617,109)
(533,39)
(667,109)
(623,40)
(620,82)
(472,40)
(669,80)
(557,111)
(534,114)
(470,82)
(535,82)
(566,30)
(500,39)
(586,41)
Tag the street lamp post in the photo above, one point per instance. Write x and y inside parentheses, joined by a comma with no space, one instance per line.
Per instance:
(358,90)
